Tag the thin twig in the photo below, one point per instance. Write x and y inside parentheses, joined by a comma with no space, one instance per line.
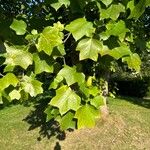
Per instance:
(67,37)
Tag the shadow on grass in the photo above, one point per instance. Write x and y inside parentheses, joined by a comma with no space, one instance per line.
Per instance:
(137,101)
(37,119)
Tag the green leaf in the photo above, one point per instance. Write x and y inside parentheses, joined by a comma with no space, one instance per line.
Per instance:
(19,26)
(147,3)
(97,101)
(56,82)
(119,52)
(17,57)
(67,122)
(65,100)
(89,48)
(117,29)
(42,65)
(94,90)
(133,61)
(112,12)
(51,113)
(107,2)
(15,95)
(50,37)
(138,9)
(57,5)
(31,86)
(80,27)
(86,116)
(7,80)
(71,75)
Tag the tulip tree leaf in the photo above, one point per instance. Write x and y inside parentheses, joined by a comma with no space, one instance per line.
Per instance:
(89,48)
(31,86)
(133,61)
(60,3)
(15,95)
(19,26)
(117,29)
(86,116)
(107,2)
(71,75)
(67,121)
(50,37)
(42,65)
(112,12)
(138,9)
(97,101)
(119,52)
(17,57)
(79,28)
(65,100)
(7,80)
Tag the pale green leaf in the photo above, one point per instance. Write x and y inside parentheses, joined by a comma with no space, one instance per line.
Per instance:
(89,48)
(15,95)
(56,82)
(86,116)
(65,100)
(79,28)
(57,5)
(42,65)
(71,75)
(117,29)
(107,2)
(94,90)
(7,80)
(50,37)
(97,101)
(19,26)
(133,61)
(31,86)
(119,52)
(112,12)
(17,57)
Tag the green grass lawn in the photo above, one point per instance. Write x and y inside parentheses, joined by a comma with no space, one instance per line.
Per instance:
(126,128)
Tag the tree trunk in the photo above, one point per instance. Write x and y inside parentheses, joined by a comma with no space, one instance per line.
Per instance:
(104,109)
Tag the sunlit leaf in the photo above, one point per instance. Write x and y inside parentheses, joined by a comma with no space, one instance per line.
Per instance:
(71,75)
(89,48)
(113,11)
(86,116)
(50,37)
(17,57)
(65,100)
(19,26)
(79,28)
(97,101)
(15,95)
(42,65)
(7,80)
(31,86)
(133,61)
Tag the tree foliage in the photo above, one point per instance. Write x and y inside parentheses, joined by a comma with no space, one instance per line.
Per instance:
(70,41)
